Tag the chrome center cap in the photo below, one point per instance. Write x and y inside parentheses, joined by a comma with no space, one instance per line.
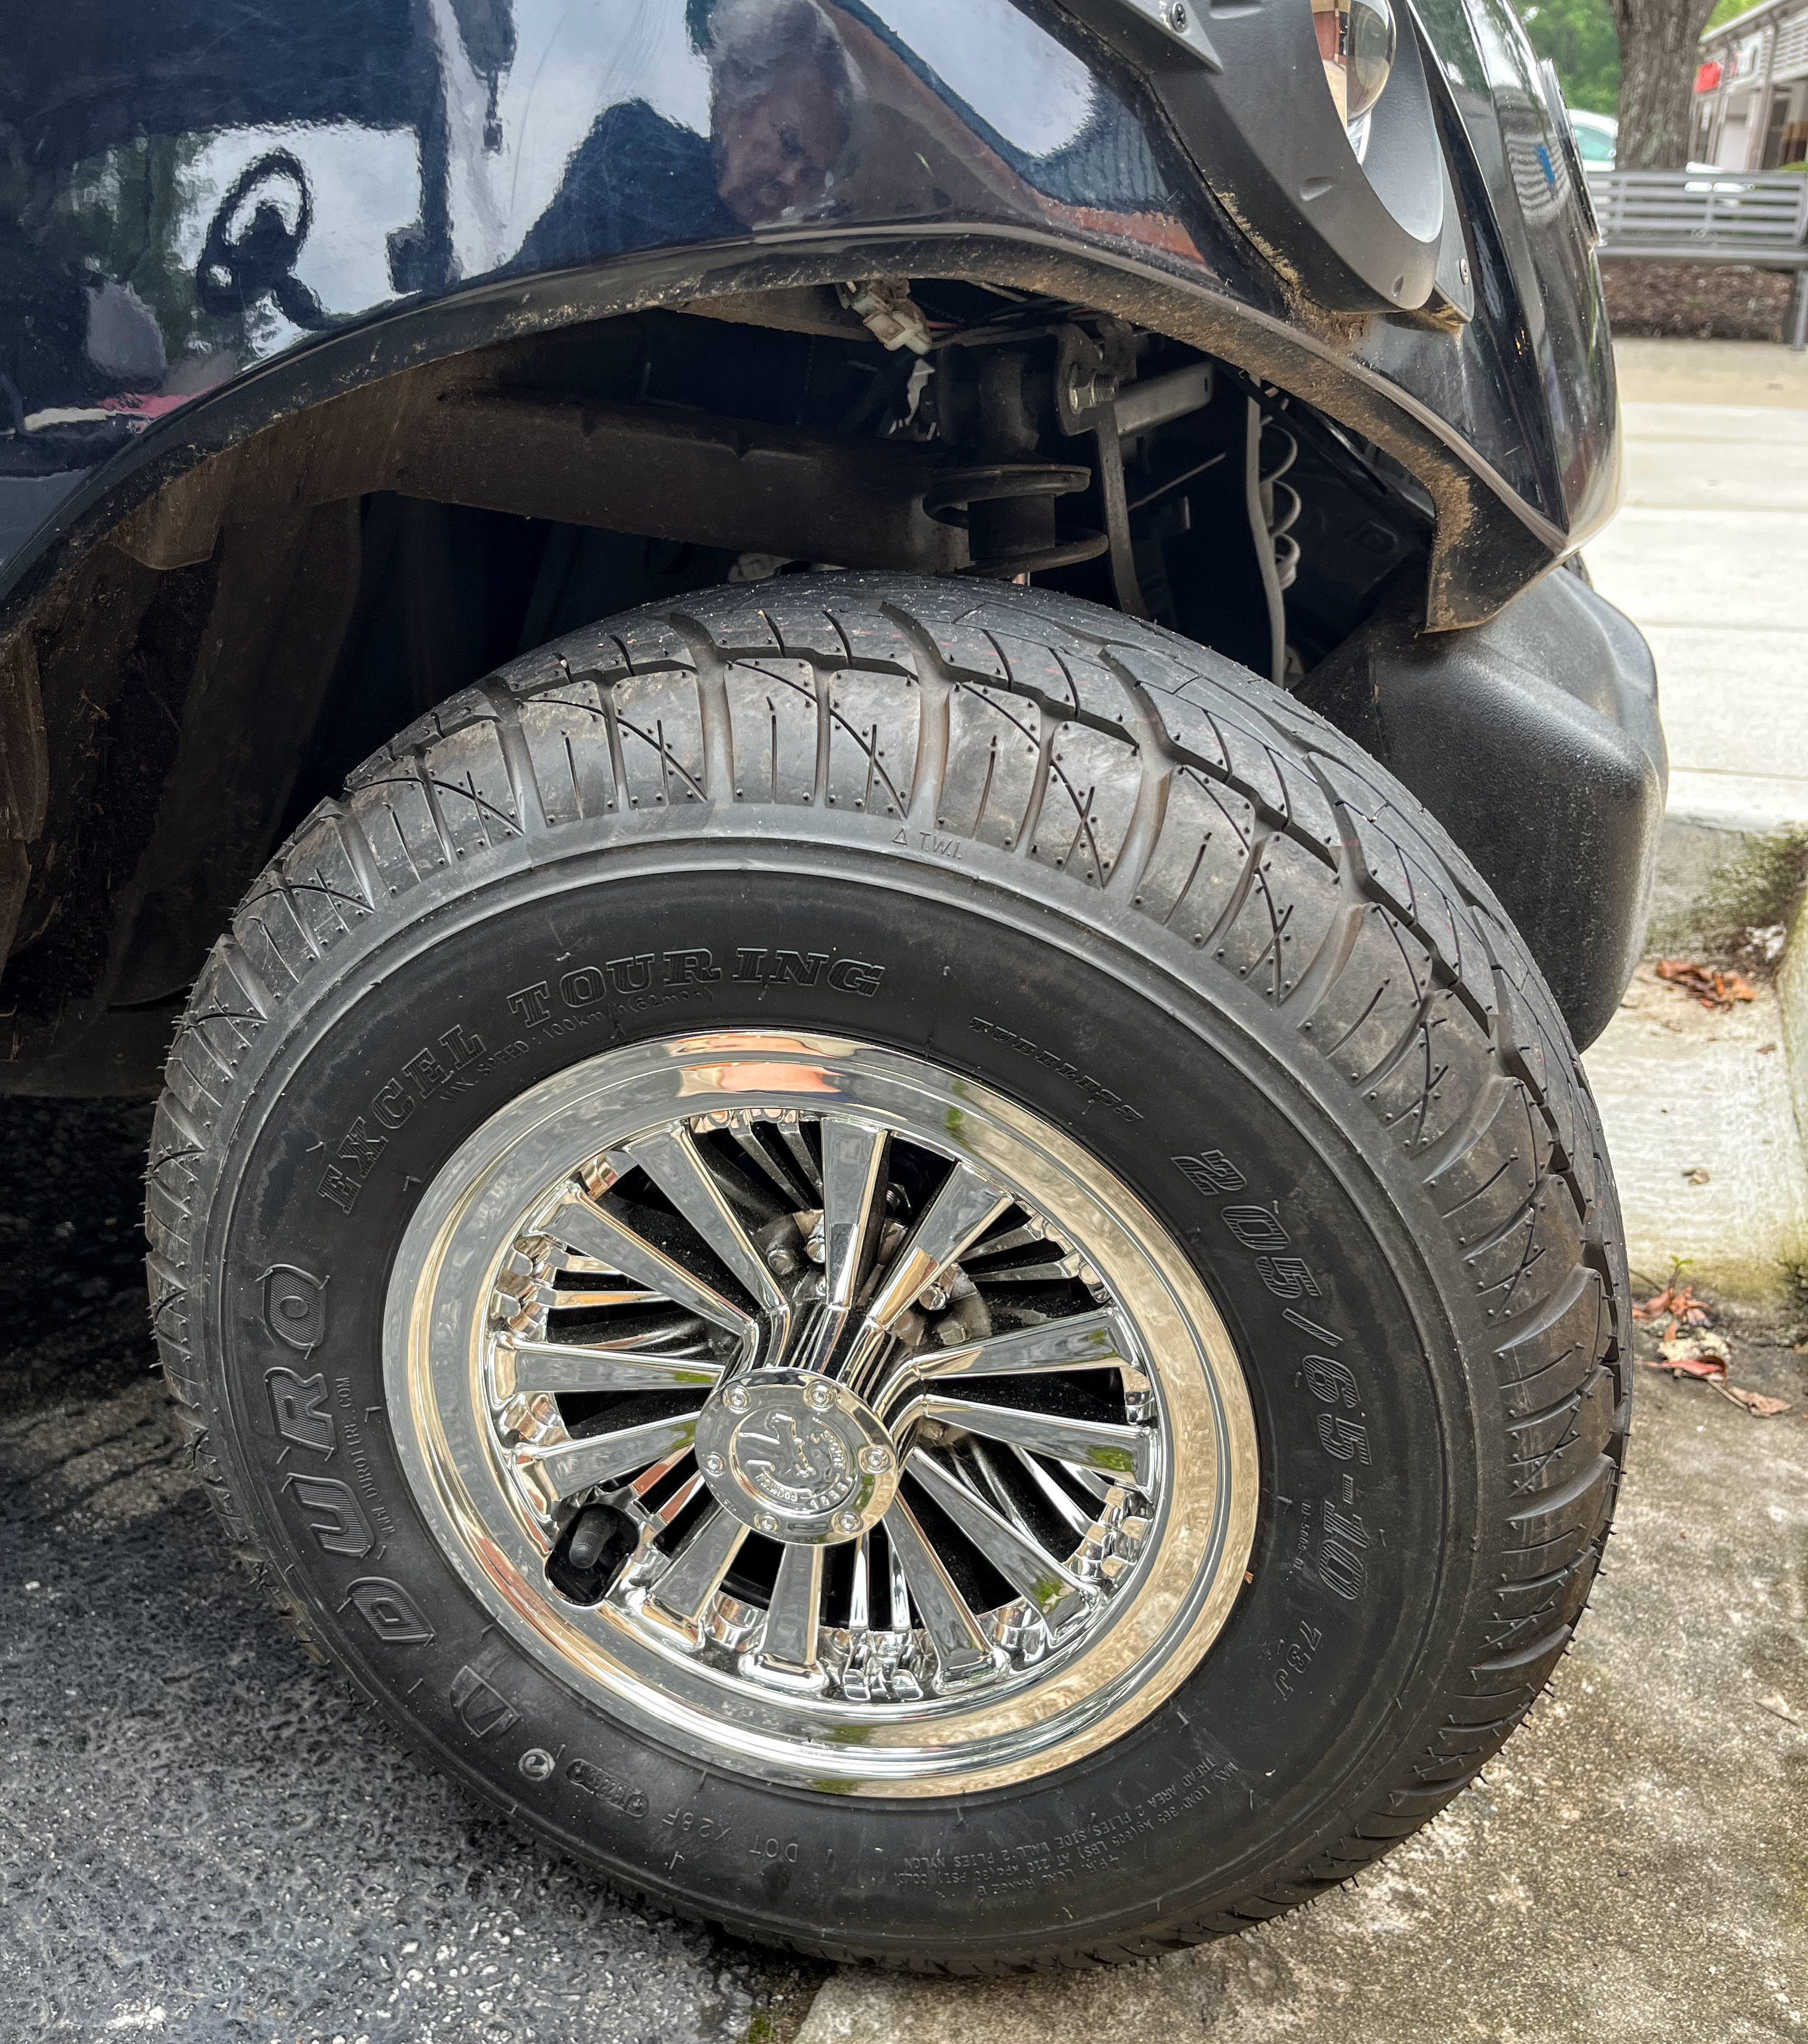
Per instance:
(796,1457)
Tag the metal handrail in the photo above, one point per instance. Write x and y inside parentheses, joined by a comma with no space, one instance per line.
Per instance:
(1759,218)
(1746,209)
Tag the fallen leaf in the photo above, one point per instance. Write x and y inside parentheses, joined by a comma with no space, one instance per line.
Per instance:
(1701,1355)
(1685,1366)
(1658,1305)
(1709,1367)
(1710,986)
(1755,1402)
(1676,1303)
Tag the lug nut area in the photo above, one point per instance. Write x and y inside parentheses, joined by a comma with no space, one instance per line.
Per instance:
(796,1457)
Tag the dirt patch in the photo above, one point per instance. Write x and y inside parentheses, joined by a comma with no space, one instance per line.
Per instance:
(1699,301)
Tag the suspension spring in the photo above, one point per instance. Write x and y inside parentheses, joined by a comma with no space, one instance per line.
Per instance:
(1271,506)
(1280,506)
(1013,544)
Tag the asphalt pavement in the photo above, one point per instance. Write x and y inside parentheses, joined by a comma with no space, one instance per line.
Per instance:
(202,1836)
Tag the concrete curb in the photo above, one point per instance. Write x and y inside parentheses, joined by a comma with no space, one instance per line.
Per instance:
(1792,999)
(1704,1110)
(1717,881)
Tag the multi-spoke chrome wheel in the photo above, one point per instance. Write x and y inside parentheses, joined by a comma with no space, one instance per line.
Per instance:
(824,1411)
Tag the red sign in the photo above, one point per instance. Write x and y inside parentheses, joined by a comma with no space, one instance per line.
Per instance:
(1707,78)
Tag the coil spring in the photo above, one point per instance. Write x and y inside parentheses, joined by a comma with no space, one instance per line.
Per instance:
(1281,507)
(955,490)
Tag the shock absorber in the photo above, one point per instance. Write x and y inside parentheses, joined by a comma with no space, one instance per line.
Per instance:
(1006,501)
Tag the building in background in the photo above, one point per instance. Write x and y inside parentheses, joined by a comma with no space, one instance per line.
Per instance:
(1751,90)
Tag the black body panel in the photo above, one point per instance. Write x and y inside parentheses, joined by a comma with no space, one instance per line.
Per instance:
(1534,739)
(301,311)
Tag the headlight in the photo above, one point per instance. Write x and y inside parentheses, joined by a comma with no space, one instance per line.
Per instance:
(1348,194)
(1355,44)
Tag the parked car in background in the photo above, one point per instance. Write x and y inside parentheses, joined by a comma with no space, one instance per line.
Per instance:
(843,766)
(1596,136)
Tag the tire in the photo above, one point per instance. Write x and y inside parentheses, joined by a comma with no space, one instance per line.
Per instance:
(1116,887)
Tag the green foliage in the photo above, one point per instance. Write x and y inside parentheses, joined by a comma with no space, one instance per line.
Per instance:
(1579,37)
(121,215)
(1728,10)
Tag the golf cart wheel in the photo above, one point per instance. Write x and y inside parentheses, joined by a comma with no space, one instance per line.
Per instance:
(910,1263)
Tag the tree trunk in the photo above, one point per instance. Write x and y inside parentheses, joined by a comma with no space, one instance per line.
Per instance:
(1659,57)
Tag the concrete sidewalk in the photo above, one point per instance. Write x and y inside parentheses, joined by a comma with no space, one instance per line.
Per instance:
(1710,372)
(1709,556)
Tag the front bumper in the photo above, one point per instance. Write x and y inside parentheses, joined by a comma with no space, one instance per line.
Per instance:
(1535,740)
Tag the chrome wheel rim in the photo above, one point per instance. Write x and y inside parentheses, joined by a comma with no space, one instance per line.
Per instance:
(822,1413)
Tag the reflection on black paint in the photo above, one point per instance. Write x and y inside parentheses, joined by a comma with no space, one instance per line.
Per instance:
(252,243)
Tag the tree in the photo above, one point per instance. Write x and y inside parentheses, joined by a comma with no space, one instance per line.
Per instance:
(1659,57)
(1578,37)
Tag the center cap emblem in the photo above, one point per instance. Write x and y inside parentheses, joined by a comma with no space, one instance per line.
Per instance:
(801,1466)
(796,1456)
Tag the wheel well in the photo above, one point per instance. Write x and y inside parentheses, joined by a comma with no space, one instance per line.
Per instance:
(269,617)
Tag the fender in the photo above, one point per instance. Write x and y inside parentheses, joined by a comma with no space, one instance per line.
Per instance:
(929,162)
